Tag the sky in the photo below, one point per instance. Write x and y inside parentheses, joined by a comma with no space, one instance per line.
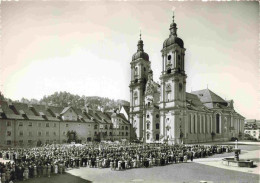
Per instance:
(85,48)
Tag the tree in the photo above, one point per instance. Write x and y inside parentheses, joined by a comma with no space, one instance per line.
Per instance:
(64,99)
(2,96)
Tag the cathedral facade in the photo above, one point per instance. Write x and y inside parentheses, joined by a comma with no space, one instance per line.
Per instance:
(165,112)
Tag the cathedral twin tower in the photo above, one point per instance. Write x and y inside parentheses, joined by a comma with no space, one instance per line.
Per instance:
(157,111)
(165,112)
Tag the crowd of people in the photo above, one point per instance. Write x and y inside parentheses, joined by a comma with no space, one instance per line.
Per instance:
(48,160)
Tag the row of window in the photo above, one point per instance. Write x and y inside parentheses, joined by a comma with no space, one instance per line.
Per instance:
(111,127)
(204,126)
(110,133)
(157,126)
(39,124)
(148,116)
(39,133)
(148,136)
(29,142)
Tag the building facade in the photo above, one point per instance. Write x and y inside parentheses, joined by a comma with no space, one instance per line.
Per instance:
(252,128)
(165,112)
(30,125)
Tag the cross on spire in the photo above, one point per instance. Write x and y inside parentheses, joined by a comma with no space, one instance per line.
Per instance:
(173,26)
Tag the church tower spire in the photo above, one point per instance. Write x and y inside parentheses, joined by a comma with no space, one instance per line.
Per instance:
(140,45)
(173,27)
(140,65)
(173,85)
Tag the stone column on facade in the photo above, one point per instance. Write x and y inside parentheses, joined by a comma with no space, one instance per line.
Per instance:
(163,63)
(175,60)
(132,73)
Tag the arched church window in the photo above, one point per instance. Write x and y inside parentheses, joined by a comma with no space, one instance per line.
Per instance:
(157,137)
(194,124)
(157,126)
(225,124)
(149,104)
(200,123)
(168,87)
(190,120)
(217,123)
(144,69)
(148,136)
(136,71)
(147,116)
(210,123)
(180,87)
(169,59)
(148,126)
(135,98)
(157,115)
(168,92)
(179,62)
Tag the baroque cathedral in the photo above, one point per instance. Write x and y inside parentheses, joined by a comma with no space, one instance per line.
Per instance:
(165,112)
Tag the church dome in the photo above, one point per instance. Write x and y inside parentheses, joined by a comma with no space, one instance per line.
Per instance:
(140,52)
(173,38)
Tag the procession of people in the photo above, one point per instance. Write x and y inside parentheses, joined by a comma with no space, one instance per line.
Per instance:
(27,163)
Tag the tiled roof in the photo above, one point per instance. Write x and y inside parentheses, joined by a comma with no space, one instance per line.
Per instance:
(6,109)
(127,109)
(80,113)
(193,102)
(207,96)
(65,109)
(44,112)
(121,116)
(25,110)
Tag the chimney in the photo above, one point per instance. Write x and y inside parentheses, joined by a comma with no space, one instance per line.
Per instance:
(86,107)
(102,109)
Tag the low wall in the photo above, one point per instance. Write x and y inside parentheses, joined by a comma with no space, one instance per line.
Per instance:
(240,163)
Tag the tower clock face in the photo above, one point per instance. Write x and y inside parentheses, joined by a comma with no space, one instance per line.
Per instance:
(180,87)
